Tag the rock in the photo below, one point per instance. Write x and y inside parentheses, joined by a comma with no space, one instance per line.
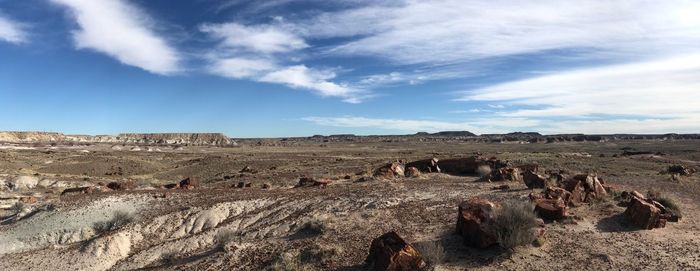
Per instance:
(504,174)
(552,192)
(309,182)
(23,183)
(248,169)
(533,180)
(680,170)
(78,190)
(390,171)
(643,214)
(412,172)
(551,209)
(189,183)
(472,217)
(585,188)
(266,186)
(390,252)
(28,200)
(126,185)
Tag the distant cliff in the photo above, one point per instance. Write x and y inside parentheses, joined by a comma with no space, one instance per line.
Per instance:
(214,139)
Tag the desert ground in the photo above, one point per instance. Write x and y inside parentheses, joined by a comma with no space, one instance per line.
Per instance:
(270,224)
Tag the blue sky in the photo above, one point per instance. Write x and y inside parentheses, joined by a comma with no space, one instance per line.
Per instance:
(297,68)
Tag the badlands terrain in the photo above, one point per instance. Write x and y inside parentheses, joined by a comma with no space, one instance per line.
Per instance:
(206,202)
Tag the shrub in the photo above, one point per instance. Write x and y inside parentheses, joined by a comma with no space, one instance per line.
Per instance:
(224,237)
(19,207)
(314,226)
(119,219)
(318,253)
(433,253)
(483,170)
(288,261)
(670,205)
(513,224)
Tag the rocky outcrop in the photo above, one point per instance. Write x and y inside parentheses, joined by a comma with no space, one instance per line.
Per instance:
(309,182)
(390,252)
(647,213)
(216,139)
(390,171)
(533,180)
(189,183)
(212,139)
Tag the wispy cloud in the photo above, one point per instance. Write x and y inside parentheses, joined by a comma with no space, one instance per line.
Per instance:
(11,31)
(262,52)
(627,95)
(122,31)
(456,30)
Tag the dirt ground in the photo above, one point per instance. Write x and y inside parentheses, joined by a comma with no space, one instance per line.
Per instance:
(220,227)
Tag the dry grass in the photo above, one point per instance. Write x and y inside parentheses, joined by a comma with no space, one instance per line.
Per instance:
(314,226)
(224,237)
(433,253)
(670,205)
(289,261)
(514,224)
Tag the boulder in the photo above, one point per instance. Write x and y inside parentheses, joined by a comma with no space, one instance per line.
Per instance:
(642,213)
(504,174)
(23,182)
(309,182)
(472,218)
(125,185)
(390,252)
(412,172)
(28,200)
(551,209)
(680,170)
(585,188)
(390,171)
(79,190)
(552,192)
(533,180)
(189,183)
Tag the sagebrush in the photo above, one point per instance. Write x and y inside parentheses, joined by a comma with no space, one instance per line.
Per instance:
(514,224)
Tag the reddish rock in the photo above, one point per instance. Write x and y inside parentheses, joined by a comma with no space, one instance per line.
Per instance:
(78,190)
(552,209)
(390,171)
(308,182)
(412,172)
(28,200)
(472,216)
(390,252)
(125,185)
(680,170)
(552,192)
(504,174)
(643,214)
(533,180)
(189,183)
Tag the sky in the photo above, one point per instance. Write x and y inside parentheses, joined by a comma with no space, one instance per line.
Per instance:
(280,68)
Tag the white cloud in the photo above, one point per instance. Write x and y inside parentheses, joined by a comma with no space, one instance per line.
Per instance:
(240,68)
(668,86)
(11,31)
(642,97)
(258,53)
(122,31)
(257,38)
(502,125)
(461,30)
(300,76)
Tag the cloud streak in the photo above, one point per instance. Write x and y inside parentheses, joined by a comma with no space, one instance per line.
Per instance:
(122,31)
(411,125)
(11,31)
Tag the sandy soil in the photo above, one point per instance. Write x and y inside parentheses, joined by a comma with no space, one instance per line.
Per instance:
(217,227)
